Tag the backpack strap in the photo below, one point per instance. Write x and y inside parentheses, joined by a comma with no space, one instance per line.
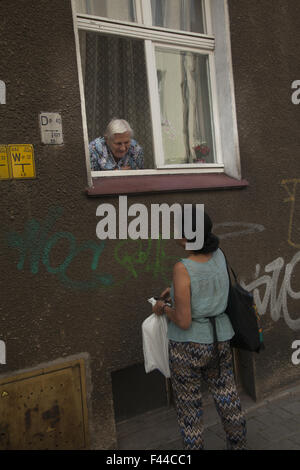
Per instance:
(212,320)
(228,266)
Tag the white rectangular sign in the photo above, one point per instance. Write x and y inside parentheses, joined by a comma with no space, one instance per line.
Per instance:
(51,128)
(2,92)
(2,352)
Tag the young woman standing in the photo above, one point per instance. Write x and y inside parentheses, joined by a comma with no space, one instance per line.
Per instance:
(199,333)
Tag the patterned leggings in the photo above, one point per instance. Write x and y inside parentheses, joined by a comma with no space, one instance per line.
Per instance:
(191,362)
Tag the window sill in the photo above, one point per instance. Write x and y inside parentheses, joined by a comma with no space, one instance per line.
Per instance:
(139,184)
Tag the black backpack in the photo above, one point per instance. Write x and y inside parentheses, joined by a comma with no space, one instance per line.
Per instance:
(244,317)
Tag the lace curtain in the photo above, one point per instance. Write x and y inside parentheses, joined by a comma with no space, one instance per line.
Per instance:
(116,9)
(185,15)
(116,86)
(183,86)
(185,107)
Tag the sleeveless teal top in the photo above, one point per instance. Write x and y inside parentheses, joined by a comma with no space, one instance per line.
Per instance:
(209,292)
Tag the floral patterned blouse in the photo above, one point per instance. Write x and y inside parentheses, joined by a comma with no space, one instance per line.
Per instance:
(103,159)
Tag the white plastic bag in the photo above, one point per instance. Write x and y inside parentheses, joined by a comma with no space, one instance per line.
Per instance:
(155,344)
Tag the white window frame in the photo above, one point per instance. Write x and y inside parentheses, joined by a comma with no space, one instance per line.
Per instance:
(216,46)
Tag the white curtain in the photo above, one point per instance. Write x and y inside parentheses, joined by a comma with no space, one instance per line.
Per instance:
(116,86)
(185,15)
(115,9)
(184,104)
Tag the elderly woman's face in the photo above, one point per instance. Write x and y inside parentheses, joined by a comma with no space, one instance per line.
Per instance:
(119,144)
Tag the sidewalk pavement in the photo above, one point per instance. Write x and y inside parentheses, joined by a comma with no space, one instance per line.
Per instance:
(272,424)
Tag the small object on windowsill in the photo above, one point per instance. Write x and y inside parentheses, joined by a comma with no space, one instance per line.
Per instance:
(199,160)
(201,151)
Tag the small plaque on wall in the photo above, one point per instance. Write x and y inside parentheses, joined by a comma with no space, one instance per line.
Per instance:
(5,172)
(2,92)
(22,161)
(51,128)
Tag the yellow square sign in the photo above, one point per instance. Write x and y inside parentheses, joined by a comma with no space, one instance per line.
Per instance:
(5,173)
(22,161)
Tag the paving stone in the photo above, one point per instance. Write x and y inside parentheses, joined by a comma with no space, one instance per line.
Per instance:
(281,412)
(295,437)
(283,444)
(271,419)
(175,445)
(257,442)
(292,424)
(275,433)
(255,439)
(257,411)
(292,406)
(212,441)
(217,429)
(273,424)
(254,425)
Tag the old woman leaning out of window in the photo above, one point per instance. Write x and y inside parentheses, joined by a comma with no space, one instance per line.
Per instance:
(117,150)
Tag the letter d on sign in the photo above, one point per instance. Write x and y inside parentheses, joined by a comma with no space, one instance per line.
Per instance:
(44,120)
(2,352)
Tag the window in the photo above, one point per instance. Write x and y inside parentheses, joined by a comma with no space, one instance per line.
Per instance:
(165,67)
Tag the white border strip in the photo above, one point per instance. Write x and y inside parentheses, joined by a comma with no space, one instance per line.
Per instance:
(163,171)
(82,97)
(204,42)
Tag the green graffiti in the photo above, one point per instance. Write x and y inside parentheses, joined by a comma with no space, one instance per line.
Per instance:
(138,256)
(35,244)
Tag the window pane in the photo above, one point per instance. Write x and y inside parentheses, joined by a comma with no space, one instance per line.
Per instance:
(185,15)
(186,116)
(115,82)
(115,9)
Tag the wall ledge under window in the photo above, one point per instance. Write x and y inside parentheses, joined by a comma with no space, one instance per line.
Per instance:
(118,185)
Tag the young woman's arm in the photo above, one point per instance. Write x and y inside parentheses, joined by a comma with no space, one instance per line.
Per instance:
(165,295)
(181,313)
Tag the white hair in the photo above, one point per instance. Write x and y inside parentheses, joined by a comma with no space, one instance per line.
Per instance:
(117,126)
